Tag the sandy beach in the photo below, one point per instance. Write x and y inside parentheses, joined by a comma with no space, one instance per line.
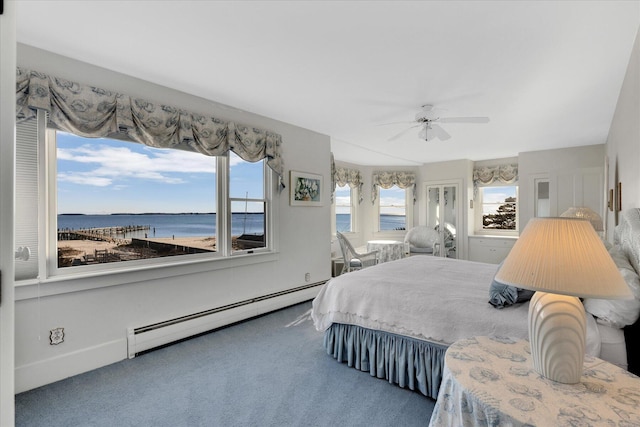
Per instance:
(89,246)
(77,252)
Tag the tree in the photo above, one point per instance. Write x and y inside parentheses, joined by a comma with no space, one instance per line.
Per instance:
(504,218)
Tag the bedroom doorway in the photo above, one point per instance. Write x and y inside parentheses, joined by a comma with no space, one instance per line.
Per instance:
(442,216)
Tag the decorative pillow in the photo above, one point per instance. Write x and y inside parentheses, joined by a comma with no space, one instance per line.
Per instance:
(501,295)
(623,312)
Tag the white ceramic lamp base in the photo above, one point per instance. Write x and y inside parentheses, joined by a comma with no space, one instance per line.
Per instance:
(557,331)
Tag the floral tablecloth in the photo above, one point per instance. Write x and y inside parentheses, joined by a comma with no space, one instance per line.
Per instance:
(388,250)
(490,381)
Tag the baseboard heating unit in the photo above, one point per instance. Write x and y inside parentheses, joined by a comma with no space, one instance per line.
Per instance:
(145,338)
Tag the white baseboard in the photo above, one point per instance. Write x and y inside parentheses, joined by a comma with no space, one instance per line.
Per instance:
(57,368)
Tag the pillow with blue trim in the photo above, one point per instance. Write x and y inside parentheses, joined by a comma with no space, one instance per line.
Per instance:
(501,295)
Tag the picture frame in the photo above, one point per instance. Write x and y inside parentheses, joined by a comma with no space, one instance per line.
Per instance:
(610,200)
(305,189)
(619,197)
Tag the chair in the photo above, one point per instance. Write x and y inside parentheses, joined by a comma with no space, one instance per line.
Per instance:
(352,259)
(449,241)
(421,240)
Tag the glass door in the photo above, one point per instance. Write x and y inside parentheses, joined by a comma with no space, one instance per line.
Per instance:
(442,216)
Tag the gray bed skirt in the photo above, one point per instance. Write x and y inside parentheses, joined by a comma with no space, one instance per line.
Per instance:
(407,362)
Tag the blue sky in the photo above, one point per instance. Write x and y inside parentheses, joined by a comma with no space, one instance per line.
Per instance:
(99,176)
(496,195)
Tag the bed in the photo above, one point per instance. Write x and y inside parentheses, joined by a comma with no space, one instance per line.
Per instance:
(395,320)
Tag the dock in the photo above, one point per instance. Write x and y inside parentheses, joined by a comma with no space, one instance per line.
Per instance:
(106,234)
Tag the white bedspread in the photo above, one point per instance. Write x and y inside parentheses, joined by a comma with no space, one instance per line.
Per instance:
(430,298)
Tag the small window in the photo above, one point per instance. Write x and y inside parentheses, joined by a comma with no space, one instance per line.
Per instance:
(344,218)
(392,212)
(248,204)
(499,208)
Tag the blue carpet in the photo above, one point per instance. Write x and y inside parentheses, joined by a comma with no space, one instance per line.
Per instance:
(268,371)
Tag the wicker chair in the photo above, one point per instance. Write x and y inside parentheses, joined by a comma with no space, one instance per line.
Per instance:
(421,240)
(352,259)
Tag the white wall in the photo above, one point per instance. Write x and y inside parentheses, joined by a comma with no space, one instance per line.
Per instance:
(575,179)
(7,155)
(95,320)
(623,142)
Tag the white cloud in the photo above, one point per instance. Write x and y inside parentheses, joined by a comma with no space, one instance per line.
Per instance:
(113,163)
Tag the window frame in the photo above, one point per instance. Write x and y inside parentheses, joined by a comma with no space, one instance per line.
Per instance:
(478,213)
(48,269)
(354,197)
(408,212)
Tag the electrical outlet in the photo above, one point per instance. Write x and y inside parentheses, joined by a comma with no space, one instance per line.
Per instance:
(56,336)
(307,277)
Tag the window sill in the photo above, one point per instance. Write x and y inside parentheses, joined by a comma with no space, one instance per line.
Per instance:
(67,283)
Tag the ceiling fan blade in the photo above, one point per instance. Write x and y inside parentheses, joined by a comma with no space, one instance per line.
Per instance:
(396,123)
(463,119)
(438,132)
(396,136)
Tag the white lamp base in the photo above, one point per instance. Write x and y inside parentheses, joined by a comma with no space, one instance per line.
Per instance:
(557,331)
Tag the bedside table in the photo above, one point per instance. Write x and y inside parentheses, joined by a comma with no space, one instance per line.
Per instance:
(491,381)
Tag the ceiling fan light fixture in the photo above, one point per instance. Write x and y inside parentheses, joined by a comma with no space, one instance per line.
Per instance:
(423,133)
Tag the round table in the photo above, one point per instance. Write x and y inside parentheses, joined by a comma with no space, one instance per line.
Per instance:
(491,381)
(388,250)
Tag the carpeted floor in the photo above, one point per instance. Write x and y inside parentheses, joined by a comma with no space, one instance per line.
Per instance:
(268,371)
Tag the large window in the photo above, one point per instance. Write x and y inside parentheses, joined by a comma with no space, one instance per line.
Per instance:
(498,209)
(343,200)
(106,201)
(392,208)
(123,201)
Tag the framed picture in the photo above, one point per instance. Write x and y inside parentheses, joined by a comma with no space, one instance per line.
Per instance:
(619,197)
(305,189)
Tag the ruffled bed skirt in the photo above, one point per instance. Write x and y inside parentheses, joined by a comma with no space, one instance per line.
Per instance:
(407,362)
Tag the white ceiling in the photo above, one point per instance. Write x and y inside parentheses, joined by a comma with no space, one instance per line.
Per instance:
(547,74)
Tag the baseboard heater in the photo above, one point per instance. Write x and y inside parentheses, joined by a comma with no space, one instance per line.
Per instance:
(145,338)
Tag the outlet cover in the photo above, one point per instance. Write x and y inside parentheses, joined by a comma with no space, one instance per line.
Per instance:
(56,336)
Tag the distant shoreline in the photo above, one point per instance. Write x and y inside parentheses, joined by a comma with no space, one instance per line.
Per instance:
(157,213)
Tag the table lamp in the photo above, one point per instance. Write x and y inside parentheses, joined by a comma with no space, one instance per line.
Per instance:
(561,259)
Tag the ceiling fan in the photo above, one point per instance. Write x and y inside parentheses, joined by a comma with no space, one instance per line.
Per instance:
(428,118)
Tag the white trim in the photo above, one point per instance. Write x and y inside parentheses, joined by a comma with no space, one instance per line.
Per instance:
(64,366)
(7,190)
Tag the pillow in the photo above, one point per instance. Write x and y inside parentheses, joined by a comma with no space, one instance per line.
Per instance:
(618,313)
(501,295)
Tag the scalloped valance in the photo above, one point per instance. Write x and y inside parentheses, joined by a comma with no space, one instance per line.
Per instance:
(387,180)
(345,176)
(487,175)
(93,112)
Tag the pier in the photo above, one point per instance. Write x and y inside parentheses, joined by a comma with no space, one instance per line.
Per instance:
(105,234)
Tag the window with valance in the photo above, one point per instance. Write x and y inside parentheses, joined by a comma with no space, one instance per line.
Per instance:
(112,147)
(345,176)
(386,180)
(496,192)
(487,175)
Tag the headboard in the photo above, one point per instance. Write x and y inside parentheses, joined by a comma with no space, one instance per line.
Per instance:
(627,235)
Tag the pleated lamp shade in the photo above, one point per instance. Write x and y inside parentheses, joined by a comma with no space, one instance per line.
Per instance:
(563,256)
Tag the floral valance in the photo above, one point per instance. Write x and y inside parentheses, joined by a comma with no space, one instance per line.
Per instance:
(351,177)
(93,112)
(487,175)
(387,180)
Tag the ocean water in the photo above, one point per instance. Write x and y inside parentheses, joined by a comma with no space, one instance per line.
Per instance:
(195,225)
(387,222)
(167,225)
